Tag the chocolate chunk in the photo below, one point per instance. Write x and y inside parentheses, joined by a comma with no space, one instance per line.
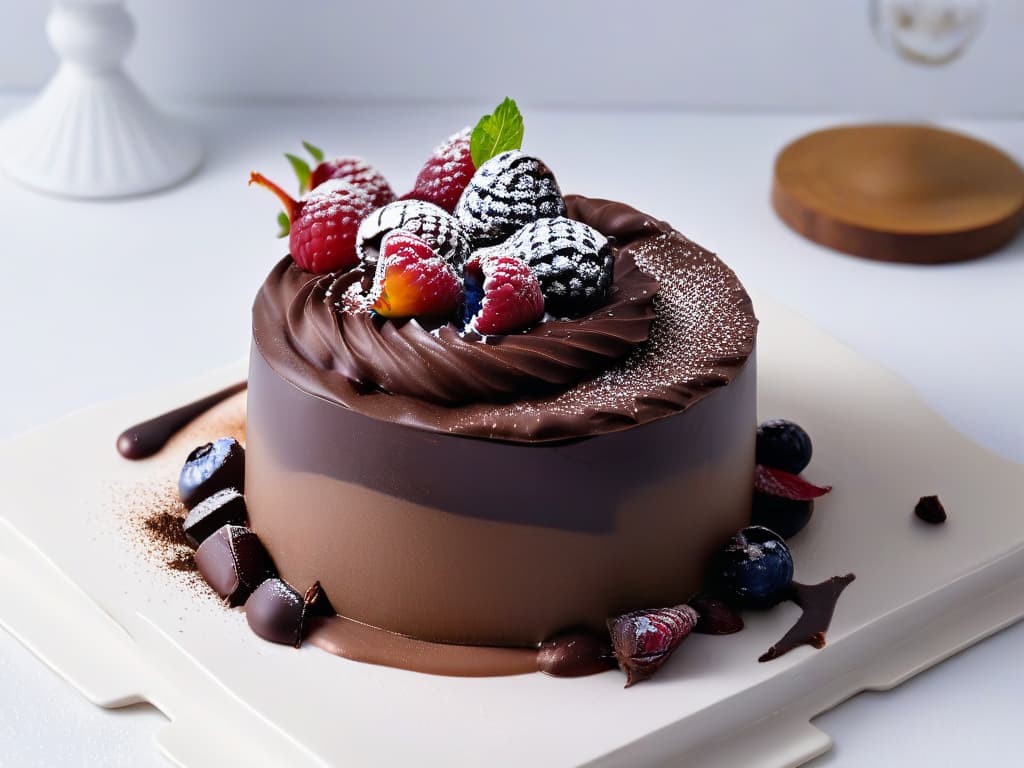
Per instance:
(225,507)
(211,468)
(575,653)
(716,616)
(930,509)
(234,562)
(277,612)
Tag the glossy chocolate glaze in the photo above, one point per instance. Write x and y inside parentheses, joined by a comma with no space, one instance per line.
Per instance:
(147,438)
(818,602)
(414,528)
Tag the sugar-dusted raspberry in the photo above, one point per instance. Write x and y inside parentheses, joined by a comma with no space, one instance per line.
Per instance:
(445,174)
(506,294)
(323,224)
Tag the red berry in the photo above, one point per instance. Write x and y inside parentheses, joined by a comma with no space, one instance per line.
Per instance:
(324,222)
(357,172)
(511,297)
(445,174)
(643,640)
(413,281)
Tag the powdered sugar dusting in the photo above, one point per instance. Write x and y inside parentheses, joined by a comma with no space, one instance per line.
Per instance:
(704,330)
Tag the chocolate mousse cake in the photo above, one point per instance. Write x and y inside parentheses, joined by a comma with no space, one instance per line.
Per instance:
(492,429)
(530,456)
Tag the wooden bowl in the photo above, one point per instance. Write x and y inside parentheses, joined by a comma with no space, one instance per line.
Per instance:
(906,193)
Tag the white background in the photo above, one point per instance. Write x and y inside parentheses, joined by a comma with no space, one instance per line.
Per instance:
(769,54)
(127,296)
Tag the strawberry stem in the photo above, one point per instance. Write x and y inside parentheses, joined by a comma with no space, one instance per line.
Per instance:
(289,203)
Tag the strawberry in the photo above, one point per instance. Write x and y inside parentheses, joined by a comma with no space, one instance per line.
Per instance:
(643,640)
(322,224)
(445,174)
(352,170)
(504,295)
(413,281)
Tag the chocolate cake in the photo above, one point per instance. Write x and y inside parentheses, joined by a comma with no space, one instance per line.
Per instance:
(500,490)
(491,429)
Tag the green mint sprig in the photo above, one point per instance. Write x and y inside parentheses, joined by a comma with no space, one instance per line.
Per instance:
(496,133)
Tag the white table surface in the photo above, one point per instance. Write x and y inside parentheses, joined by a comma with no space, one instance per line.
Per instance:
(103,300)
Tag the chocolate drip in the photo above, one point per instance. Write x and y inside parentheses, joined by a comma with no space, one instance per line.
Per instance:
(818,602)
(145,439)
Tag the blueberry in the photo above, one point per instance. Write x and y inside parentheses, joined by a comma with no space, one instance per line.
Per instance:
(787,517)
(211,468)
(783,445)
(474,292)
(754,569)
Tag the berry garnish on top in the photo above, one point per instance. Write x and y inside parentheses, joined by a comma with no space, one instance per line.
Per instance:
(352,170)
(572,261)
(643,640)
(506,193)
(323,223)
(412,280)
(432,224)
(509,297)
(445,174)
(754,569)
(781,444)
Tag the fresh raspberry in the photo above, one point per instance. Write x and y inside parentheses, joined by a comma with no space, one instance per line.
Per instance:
(413,281)
(357,172)
(445,174)
(352,170)
(502,294)
(322,224)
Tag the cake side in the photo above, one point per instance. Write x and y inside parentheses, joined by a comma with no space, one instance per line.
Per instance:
(460,540)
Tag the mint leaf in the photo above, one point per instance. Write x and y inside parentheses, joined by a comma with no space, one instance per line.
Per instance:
(315,152)
(496,133)
(285,226)
(301,168)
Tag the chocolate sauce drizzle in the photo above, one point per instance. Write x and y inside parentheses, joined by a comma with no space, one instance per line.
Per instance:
(143,440)
(818,602)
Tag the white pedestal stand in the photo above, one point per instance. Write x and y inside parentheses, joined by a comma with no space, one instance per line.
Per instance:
(91,132)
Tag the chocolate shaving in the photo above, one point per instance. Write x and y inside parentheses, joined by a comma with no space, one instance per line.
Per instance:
(818,602)
(930,509)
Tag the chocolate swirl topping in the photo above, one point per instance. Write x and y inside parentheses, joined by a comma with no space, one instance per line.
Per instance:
(639,357)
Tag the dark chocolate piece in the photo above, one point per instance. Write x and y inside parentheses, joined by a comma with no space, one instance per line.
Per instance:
(717,617)
(277,612)
(930,509)
(819,603)
(225,507)
(210,468)
(787,517)
(575,653)
(234,563)
(148,437)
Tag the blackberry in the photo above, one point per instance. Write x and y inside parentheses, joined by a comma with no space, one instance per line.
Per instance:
(429,222)
(506,193)
(783,445)
(572,262)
